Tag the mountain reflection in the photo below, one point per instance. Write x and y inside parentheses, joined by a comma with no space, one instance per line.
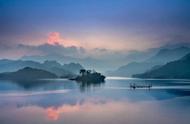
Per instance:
(55,84)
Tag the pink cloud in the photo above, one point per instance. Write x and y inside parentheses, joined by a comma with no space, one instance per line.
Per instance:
(56,38)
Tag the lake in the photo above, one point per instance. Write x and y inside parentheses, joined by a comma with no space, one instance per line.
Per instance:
(62,101)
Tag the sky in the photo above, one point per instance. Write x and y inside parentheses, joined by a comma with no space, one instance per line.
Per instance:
(88,26)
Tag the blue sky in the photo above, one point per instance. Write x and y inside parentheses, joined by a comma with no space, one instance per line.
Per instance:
(105,24)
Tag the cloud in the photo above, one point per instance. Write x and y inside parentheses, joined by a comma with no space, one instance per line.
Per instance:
(71,51)
(94,58)
(55,38)
(55,49)
(15,51)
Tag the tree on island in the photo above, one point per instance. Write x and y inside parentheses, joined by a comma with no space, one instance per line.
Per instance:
(82,72)
(88,76)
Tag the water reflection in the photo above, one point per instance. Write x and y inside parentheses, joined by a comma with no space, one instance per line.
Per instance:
(54,113)
(89,86)
(112,102)
(108,112)
(48,84)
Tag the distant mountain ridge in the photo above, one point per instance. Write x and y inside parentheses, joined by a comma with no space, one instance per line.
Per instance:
(50,66)
(167,55)
(175,69)
(163,56)
(27,73)
(130,69)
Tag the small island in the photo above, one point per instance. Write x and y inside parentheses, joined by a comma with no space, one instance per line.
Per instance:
(89,76)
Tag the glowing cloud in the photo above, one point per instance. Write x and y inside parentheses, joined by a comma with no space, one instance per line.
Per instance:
(56,38)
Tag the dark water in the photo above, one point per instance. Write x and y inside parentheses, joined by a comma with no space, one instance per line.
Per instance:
(112,102)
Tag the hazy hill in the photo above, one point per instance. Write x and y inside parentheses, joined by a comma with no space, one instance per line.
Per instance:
(176,69)
(50,66)
(13,65)
(27,73)
(130,69)
(160,58)
(167,55)
(88,62)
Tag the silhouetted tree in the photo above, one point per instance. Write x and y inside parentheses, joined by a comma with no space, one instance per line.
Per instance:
(82,71)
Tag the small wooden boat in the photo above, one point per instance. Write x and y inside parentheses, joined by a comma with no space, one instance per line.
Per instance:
(134,86)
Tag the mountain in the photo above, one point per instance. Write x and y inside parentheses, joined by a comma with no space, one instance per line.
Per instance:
(88,62)
(27,73)
(130,69)
(98,60)
(50,66)
(140,56)
(175,69)
(167,55)
(13,65)
(61,70)
(163,56)
(73,67)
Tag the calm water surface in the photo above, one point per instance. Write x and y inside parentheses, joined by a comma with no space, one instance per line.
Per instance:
(112,102)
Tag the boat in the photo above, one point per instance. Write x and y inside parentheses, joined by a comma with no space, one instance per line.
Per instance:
(134,86)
